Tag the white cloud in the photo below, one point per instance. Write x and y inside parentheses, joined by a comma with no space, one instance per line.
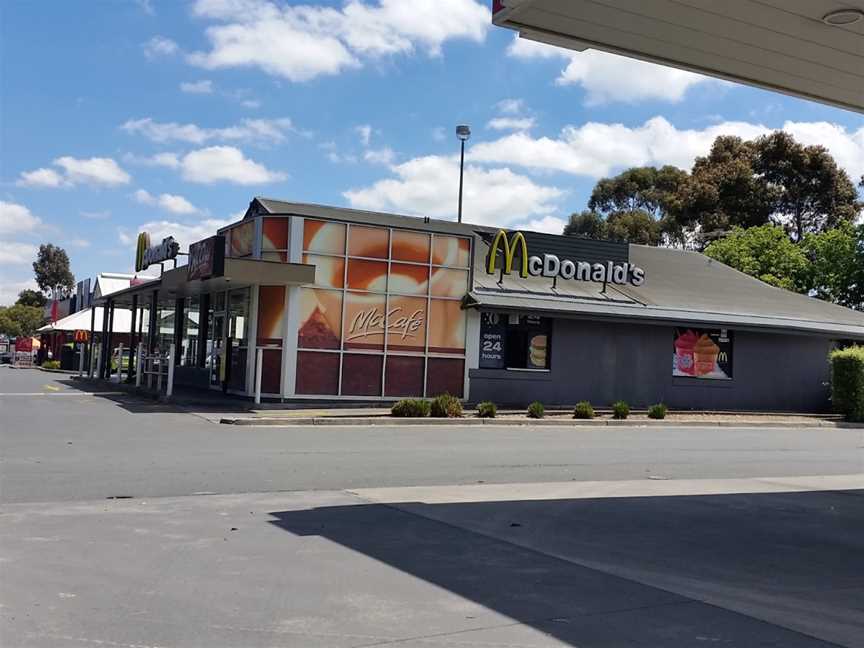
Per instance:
(301,42)
(43,177)
(169,202)
(429,186)
(197,87)
(78,243)
(439,133)
(611,78)
(248,130)
(596,149)
(15,218)
(166,159)
(97,171)
(380,156)
(225,163)
(75,171)
(160,46)
(14,253)
(183,233)
(548,224)
(511,106)
(146,7)
(10,287)
(250,103)
(365,133)
(511,123)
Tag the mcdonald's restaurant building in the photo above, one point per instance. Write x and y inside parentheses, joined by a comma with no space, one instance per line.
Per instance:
(354,305)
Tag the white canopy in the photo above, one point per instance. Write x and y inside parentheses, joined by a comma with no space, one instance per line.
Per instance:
(80,321)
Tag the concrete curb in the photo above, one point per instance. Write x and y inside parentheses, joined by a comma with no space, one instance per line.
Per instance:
(363,421)
(68,372)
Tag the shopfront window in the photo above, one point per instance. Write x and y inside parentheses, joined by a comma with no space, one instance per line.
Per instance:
(385,316)
(512,341)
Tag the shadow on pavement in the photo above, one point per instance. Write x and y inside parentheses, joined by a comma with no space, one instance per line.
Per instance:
(780,570)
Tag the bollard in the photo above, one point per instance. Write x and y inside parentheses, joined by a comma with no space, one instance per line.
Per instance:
(170,388)
(259,361)
(120,362)
(99,361)
(80,360)
(139,356)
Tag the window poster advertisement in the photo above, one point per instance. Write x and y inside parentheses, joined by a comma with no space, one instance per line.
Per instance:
(493,331)
(702,353)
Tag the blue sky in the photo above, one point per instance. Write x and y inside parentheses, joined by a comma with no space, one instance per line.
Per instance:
(171,116)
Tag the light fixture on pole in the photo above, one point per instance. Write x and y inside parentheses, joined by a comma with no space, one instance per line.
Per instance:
(463,132)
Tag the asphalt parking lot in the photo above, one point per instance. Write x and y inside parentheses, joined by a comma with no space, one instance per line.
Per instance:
(129,524)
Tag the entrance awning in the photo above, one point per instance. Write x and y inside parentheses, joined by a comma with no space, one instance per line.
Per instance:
(239,273)
(807,49)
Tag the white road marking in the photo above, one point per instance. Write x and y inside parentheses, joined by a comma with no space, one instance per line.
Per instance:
(75,393)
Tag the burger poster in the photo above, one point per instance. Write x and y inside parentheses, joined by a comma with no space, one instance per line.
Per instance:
(702,353)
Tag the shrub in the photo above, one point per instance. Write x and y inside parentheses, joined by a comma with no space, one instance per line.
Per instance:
(847,382)
(413,407)
(535,410)
(657,411)
(583,410)
(486,409)
(620,410)
(446,406)
(51,364)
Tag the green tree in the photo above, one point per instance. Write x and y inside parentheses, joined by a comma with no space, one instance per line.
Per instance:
(634,226)
(837,265)
(648,189)
(28,297)
(723,192)
(764,252)
(587,224)
(641,190)
(807,185)
(52,271)
(20,320)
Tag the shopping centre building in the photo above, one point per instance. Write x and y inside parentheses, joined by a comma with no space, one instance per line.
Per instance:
(347,304)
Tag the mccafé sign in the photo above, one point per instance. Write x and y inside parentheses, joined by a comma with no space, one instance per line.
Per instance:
(551,265)
(146,254)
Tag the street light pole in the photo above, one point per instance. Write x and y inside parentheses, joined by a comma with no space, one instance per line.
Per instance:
(463,132)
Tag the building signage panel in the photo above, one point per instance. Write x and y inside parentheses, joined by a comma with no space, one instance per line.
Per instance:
(206,258)
(702,353)
(493,338)
(146,254)
(509,252)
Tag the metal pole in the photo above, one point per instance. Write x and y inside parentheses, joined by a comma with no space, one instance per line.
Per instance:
(120,362)
(259,361)
(159,375)
(461,167)
(170,389)
(80,359)
(138,364)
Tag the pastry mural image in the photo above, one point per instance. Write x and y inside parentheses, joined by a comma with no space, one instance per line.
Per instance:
(702,353)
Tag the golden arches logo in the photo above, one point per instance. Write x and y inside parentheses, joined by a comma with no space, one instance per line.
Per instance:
(511,244)
(141,248)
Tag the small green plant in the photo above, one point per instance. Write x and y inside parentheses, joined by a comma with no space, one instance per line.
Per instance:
(51,364)
(847,382)
(446,406)
(486,409)
(536,410)
(620,410)
(583,410)
(411,407)
(657,411)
